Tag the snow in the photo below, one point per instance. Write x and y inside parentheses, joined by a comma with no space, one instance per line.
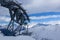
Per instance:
(15,38)
(20,37)
(51,32)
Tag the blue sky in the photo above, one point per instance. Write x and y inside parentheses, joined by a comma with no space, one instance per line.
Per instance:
(39,11)
(45,14)
(45,17)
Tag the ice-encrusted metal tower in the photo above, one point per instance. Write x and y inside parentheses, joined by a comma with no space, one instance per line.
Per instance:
(17,14)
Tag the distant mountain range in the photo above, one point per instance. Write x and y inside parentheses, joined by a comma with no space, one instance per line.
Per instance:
(39,25)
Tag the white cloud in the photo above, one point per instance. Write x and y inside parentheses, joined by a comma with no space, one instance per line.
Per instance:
(44,17)
(52,22)
(4,11)
(49,22)
(31,24)
(35,6)
(3,24)
(6,19)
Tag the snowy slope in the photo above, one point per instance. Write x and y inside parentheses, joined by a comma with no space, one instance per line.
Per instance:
(20,37)
(16,38)
(44,32)
(51,32)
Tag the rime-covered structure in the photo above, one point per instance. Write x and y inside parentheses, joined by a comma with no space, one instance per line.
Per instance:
(17,14)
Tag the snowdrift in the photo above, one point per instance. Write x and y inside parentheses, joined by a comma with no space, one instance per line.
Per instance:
(50,32)
(15,38)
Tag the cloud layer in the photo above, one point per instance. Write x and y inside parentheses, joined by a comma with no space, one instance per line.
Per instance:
(44,17)
(35,6)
